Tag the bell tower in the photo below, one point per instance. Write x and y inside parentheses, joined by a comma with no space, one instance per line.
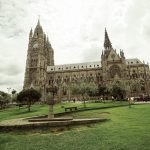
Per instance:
(113,64)
(40,54)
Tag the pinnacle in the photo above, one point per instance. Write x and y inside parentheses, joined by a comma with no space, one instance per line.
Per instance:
(31,31)
(107,43)
(38,30)
(48,41)
(38,24)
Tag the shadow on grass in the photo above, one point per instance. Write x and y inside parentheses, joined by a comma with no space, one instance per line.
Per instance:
(46,130)
(25,112)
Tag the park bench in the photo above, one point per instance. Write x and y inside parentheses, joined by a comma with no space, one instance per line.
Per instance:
(70,109)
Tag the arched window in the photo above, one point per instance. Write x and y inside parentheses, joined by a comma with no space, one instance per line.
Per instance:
(115,70)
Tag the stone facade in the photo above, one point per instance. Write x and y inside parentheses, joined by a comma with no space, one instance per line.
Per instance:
(40,55)
(42,74)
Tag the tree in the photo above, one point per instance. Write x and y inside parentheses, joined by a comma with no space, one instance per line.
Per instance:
(13,92)
(14,98)
(117,92)
(92,89)
(1,102)
(117,89)
(84,89)
(4,99)
(102,90)
(28,97)
(132,87)
(74,88)
(135,86)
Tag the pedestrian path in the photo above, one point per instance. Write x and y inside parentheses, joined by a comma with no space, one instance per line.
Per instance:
(142,102)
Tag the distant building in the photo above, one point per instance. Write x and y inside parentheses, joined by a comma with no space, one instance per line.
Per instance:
(42,74)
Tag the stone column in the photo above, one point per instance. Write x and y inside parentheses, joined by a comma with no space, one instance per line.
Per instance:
(50,112)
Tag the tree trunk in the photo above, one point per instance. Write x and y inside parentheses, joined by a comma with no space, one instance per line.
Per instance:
(103,98)
(84,101)
(29,106)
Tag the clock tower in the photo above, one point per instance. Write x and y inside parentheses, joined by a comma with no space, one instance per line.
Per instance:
(40,54)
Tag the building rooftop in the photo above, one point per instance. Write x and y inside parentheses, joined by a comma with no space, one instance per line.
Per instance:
(133,61)
(87,65)
(78,66)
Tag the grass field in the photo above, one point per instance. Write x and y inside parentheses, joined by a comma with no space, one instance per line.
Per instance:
(36,110)
(128,129)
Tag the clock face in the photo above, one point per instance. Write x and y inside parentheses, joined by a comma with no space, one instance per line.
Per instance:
(35,45)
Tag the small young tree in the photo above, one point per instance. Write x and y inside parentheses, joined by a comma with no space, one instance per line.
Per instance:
(117,89)
(4,99)
(83,89)
(74,88)
(14,98)
(29,97)
(102,90)
(13,92)
(1,102)
(92,89)
(135,86)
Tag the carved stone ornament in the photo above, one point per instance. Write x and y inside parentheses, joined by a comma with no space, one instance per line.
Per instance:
(35,45)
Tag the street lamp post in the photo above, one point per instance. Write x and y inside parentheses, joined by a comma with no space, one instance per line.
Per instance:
(8,89)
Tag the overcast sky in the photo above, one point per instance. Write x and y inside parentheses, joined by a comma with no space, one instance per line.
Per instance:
(75,29)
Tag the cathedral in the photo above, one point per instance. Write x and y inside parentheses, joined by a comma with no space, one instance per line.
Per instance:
(42,74)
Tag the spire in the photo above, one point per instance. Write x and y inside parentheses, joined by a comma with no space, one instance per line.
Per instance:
(38,30)
(48,41)
(102,54)
(30,34)
(107,43)
(38,24)
(44,37)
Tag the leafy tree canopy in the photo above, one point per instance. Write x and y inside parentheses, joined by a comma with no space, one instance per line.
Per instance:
(28,97)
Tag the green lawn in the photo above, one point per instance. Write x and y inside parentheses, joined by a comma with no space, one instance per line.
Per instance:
(37,110)
(128,129)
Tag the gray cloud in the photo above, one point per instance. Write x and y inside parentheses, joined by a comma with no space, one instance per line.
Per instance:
(13,16)
(10,69)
